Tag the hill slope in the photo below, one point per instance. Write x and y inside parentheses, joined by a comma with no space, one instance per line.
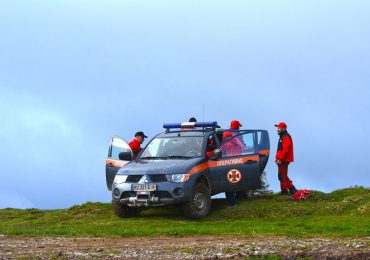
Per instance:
(342,213)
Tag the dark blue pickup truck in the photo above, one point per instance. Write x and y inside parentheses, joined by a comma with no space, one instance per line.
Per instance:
(186,164)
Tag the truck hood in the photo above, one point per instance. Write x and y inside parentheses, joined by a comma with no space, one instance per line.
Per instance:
(169,166)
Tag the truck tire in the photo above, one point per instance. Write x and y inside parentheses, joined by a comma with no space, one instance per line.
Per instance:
(200,202)
(123,211)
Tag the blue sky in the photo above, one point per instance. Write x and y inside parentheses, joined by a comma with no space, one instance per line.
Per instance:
(74,73)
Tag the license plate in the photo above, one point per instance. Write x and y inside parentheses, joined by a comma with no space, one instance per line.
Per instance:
(143,187)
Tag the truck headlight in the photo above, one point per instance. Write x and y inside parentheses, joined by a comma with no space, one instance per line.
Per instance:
(120,179)
(179,177)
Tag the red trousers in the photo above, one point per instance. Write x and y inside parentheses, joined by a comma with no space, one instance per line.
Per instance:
(285,182)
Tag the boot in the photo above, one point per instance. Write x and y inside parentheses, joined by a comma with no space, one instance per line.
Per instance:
(292,190)
(284,192)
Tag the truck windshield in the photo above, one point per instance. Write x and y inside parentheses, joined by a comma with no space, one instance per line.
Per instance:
(179,147)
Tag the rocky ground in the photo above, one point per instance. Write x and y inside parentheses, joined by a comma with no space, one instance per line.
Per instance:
(196,247)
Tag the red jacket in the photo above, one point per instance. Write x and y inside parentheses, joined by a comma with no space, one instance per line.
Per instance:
(232,147)
(135,147)
(285,148)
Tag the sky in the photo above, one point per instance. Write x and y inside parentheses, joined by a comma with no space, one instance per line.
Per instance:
(75,73)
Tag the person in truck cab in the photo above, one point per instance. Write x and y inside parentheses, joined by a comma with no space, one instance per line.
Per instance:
(211,146)
(135,144)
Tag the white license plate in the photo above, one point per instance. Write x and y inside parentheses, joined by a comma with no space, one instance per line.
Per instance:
(143,187)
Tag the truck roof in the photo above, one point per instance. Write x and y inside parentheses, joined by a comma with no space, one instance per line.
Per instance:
(187,132)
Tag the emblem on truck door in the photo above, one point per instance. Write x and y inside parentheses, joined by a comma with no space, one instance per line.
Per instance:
(234,176)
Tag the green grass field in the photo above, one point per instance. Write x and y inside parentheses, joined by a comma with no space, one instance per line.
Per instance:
(342,213)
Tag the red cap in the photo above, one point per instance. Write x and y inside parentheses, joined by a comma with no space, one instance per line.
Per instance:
(281,125)
(235,124)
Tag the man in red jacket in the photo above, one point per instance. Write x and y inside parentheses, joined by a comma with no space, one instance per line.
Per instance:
(284,156)
(232,147)
(135,144)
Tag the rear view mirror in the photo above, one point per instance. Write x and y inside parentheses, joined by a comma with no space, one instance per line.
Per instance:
(125,156)
(217,154)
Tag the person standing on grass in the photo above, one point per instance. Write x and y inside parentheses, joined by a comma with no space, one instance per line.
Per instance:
(284,156)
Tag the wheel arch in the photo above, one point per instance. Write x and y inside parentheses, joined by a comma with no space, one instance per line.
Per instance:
(202,178)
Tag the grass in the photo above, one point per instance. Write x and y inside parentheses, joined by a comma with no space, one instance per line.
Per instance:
(342,213)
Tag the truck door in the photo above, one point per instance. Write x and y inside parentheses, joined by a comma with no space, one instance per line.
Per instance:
(238,168)
(263,143)
(113,163)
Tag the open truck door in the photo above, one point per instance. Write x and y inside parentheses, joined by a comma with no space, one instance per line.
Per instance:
(119,154)
(263,144)
(237,169)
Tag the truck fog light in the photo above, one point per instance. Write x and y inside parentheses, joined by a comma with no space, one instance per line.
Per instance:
(178,191)
(116,192)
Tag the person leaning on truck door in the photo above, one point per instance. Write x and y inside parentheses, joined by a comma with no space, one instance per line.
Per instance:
(284,156)
(235,125)
(136,142)
(231,148)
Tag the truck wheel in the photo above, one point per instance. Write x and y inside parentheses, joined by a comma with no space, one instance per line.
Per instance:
(199,204)
(123,211)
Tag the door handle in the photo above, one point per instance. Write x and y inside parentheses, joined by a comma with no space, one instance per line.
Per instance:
(110,165)
(251,162)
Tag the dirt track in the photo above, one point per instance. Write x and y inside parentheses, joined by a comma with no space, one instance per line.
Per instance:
(197,247)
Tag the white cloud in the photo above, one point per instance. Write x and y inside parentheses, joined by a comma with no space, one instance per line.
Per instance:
(41,122)
(14,200)
(32,127)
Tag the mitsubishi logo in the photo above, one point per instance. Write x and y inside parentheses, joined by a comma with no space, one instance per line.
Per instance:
(144,179)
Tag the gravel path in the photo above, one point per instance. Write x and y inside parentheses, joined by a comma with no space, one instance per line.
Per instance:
(196,247)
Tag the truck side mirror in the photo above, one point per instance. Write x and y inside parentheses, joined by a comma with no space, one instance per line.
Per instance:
(125,156)
(217,154)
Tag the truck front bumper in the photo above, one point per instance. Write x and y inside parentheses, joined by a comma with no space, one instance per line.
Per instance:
(166,193)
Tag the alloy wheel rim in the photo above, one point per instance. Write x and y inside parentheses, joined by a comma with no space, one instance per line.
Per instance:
(199,201)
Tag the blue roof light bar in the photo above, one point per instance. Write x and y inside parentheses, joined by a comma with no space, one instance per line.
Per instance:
(190,125)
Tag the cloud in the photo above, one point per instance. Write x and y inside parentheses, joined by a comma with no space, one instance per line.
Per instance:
(14,200)
(39,122)
(33,130)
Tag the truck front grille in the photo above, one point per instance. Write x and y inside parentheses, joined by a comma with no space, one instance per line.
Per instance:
(158,177)
(134,178)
